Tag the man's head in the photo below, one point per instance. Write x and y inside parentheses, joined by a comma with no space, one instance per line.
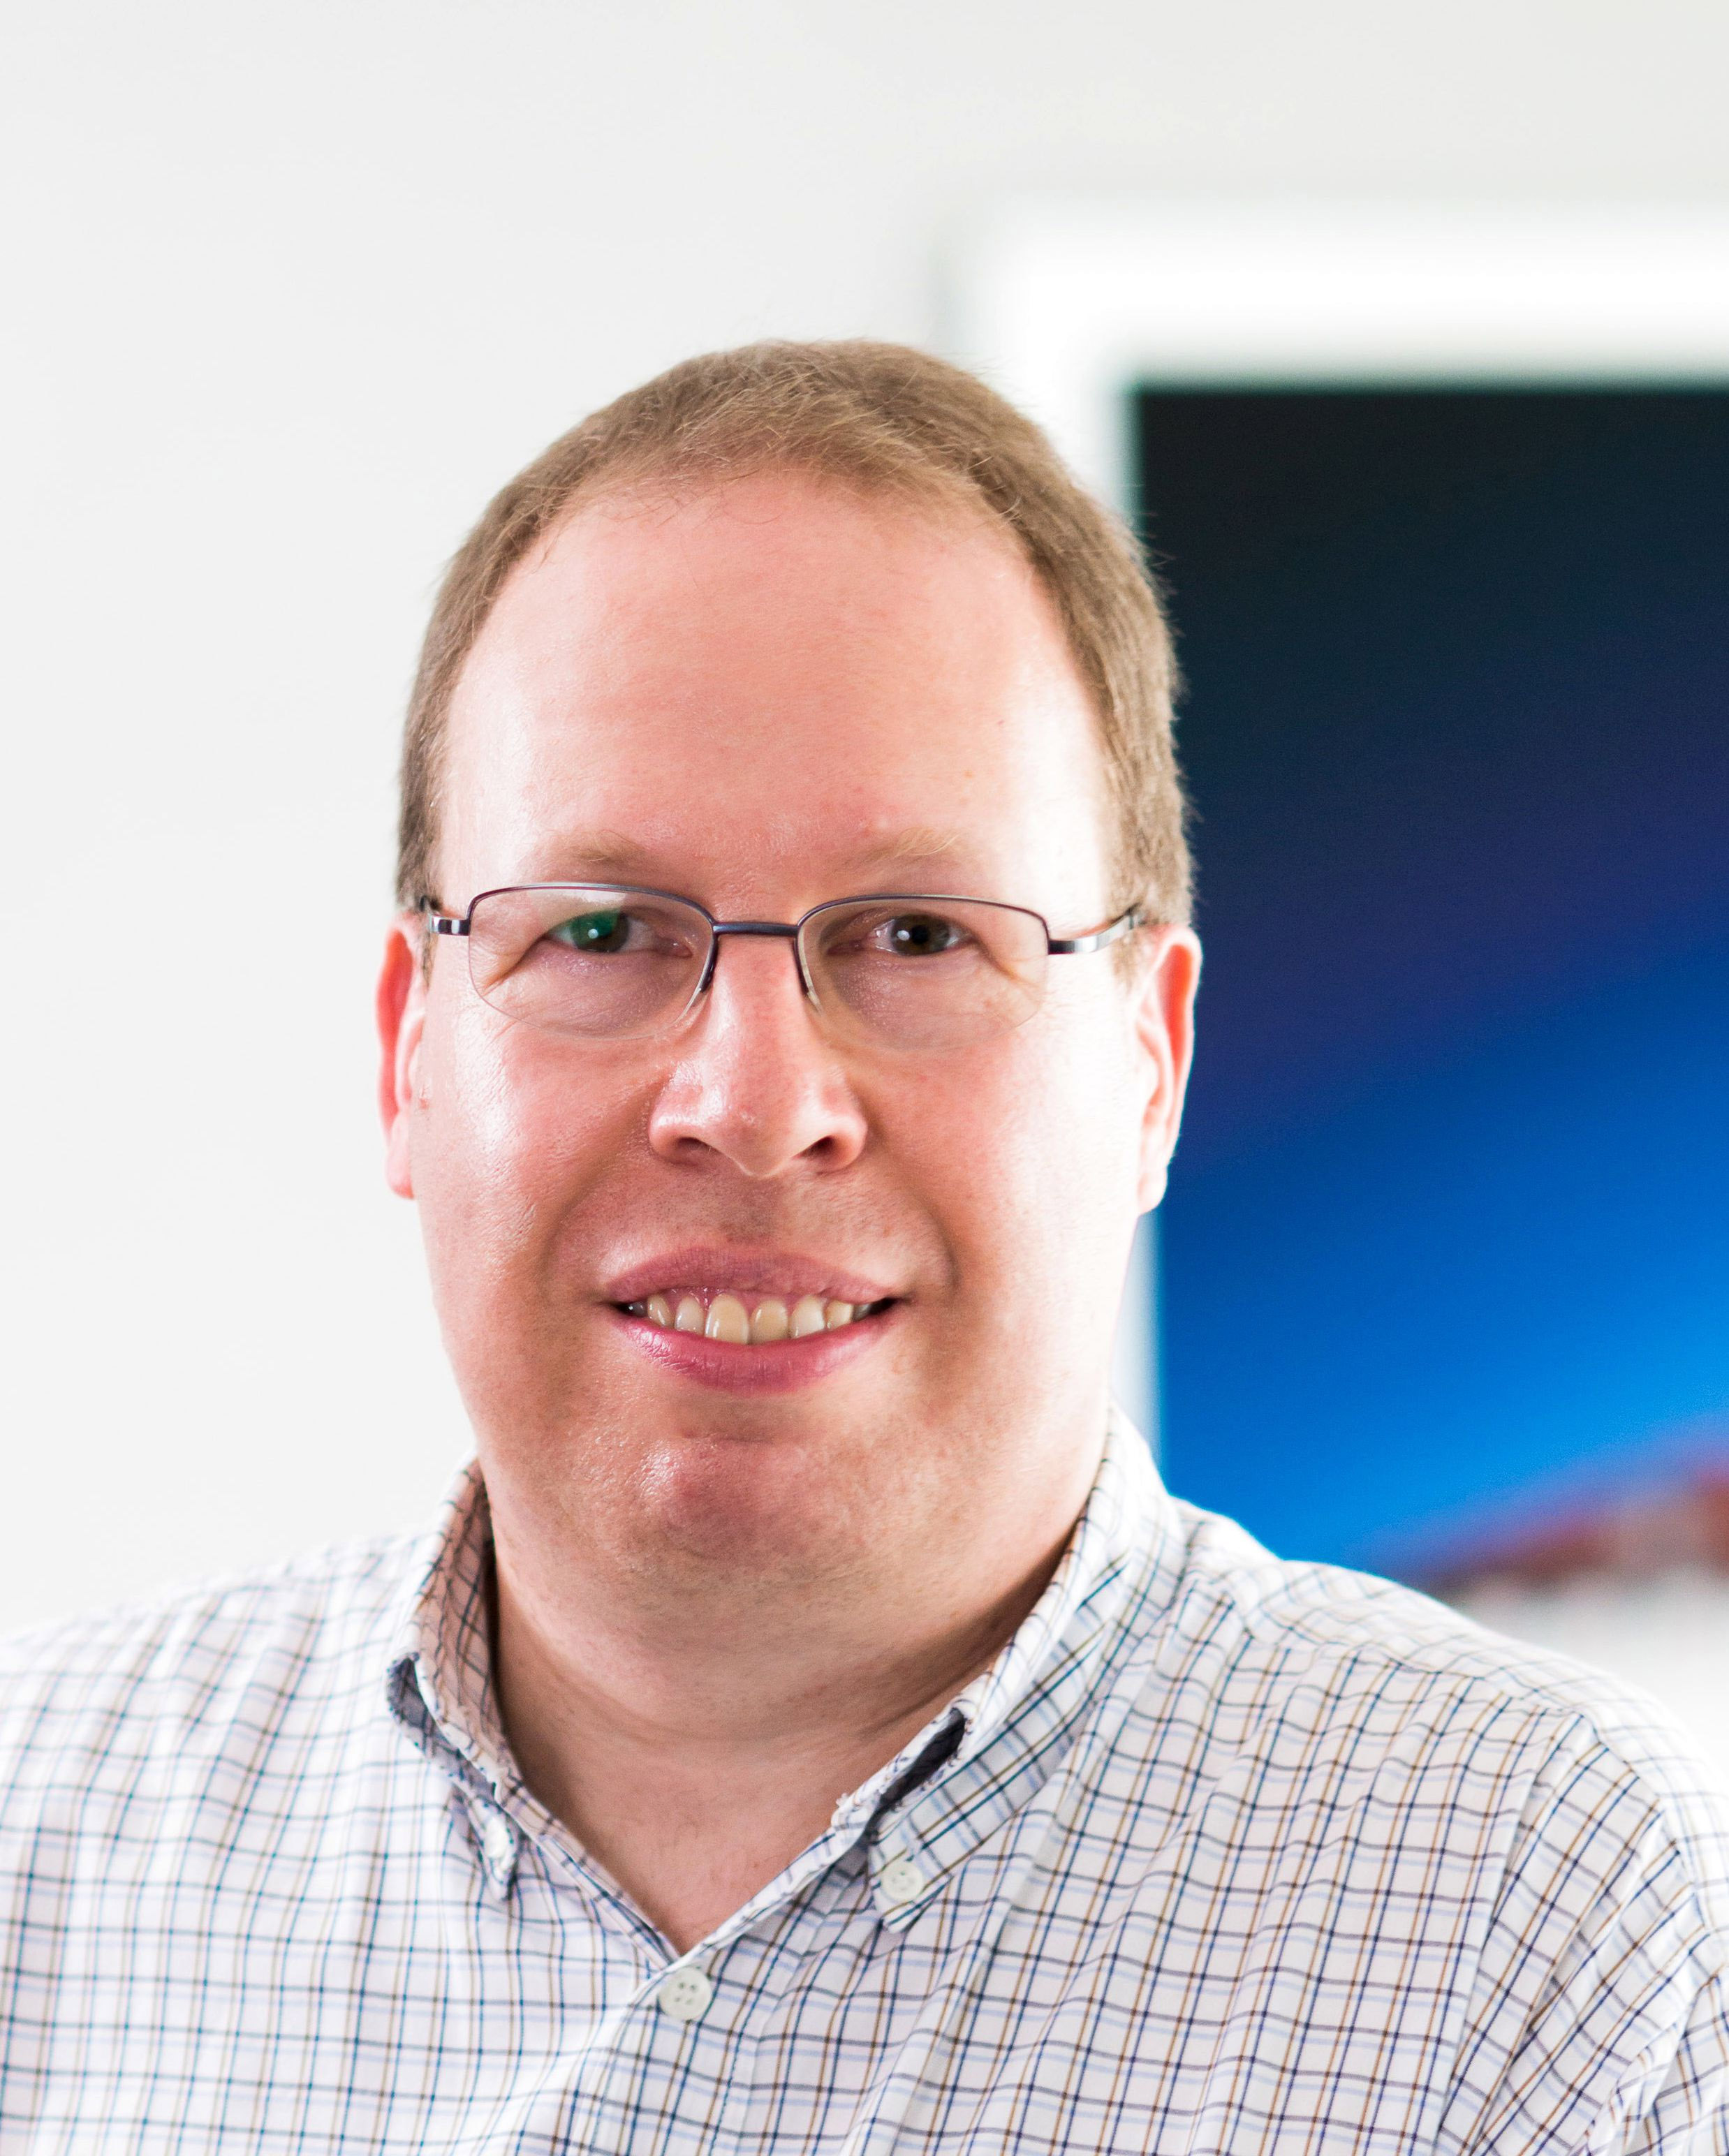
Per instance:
(790,625)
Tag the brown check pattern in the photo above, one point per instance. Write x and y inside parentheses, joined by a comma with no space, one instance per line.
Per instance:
(1222,1855)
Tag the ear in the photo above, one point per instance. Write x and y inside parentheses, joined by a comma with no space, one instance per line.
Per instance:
(400,1005)
(1165,1026)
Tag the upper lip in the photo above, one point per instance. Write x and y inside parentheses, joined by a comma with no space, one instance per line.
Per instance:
(731,1270)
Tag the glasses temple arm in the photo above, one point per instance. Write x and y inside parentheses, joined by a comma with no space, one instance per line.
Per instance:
(1063,947)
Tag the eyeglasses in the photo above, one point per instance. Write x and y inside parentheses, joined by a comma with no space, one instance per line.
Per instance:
(607,961)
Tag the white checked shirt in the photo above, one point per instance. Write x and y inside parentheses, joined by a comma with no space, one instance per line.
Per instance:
(1222,1853)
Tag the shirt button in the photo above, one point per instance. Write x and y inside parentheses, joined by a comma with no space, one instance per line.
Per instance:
(900,1879)
(685,1994)
(497,1841)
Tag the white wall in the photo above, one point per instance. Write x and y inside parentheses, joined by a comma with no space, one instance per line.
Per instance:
(289,290)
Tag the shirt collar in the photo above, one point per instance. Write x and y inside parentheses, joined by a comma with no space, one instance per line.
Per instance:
(1076,1612)
(441,1672)
(1039,1681)
(442,1693)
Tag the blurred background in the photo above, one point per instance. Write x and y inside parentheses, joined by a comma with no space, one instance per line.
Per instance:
(1442,1283)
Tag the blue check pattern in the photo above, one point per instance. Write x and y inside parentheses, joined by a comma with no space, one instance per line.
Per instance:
(1222,1855)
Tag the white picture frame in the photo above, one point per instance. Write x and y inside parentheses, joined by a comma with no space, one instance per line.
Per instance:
(1067,307)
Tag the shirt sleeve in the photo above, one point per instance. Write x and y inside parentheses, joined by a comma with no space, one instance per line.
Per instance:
(1599,2020)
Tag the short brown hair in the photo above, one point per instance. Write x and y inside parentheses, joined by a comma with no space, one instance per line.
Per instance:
(886,419)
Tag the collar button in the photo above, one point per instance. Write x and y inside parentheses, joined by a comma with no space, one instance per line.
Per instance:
(900,1881)
(685,1995)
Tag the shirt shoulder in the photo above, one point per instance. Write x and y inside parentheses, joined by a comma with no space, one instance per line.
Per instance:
(1383,1780)
(1355,1662)
(209,1677)
(1388,1722)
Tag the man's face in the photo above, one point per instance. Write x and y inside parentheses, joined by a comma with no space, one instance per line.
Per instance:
(768,695)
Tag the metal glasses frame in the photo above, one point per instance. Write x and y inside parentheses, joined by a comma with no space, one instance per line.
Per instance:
(1057,946)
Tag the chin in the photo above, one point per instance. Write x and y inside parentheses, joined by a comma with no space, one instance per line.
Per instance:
(767,1507)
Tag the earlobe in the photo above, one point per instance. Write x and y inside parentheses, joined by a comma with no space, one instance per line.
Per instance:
(400,1008)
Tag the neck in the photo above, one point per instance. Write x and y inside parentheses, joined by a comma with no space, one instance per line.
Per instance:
(695,1742)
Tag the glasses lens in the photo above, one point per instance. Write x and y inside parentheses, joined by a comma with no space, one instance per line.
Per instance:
(927,973)
(586,958)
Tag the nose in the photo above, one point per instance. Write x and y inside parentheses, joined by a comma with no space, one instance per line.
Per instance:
(755,1082)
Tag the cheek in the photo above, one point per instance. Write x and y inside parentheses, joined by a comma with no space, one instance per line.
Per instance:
(509,1136)
(1027,1157)
(1080,1199)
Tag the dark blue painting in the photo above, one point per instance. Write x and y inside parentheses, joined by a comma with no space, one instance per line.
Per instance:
(1448,1233)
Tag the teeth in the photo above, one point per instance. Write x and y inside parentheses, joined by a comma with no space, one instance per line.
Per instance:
(767,1321)
(728,1320)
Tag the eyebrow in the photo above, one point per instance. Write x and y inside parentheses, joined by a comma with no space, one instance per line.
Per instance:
(595,856)
(917,846)
(606,856)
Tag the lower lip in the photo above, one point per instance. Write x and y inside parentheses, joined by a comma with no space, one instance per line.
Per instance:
(778,1366)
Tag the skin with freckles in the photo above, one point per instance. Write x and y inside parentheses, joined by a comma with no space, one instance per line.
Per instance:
(725,1599)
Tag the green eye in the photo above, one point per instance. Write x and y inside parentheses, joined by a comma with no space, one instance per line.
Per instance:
(594,932)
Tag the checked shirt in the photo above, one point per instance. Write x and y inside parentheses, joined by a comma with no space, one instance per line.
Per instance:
(1222,1855)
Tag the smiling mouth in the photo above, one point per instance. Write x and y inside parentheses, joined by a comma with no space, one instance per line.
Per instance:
(758,1322)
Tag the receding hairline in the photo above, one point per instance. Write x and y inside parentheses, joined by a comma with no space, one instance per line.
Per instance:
(942,506)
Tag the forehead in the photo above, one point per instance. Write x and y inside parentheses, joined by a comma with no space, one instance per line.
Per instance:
(772,680)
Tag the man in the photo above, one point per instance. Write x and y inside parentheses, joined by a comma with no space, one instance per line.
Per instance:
(811,1727)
